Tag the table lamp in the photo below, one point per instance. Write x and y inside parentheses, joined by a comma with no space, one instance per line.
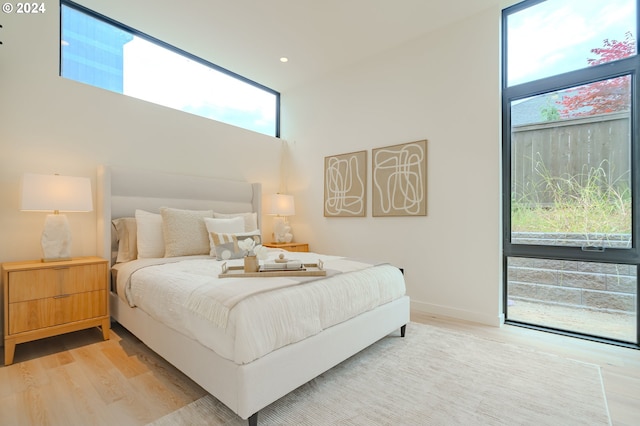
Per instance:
(55,193)
(282,206)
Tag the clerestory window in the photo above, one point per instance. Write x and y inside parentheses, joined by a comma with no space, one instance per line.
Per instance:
(104,53)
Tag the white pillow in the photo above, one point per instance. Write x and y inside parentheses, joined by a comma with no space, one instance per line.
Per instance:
(149,234)
(230,225)
(250,219)
(227,225)
(185,233)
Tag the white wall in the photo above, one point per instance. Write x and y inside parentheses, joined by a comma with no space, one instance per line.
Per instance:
(443,87)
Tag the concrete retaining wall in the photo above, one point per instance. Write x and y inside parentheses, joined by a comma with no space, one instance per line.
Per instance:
(607,287)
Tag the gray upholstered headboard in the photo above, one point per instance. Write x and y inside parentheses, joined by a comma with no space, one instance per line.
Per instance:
(120,191)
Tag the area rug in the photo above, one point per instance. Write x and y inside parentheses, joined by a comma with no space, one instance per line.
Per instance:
(432,377)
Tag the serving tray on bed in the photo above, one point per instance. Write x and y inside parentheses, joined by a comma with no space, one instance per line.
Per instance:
(306,270)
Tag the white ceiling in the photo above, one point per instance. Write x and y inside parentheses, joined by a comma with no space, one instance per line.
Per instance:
(248,37)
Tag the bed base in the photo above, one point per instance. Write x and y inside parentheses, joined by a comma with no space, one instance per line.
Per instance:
(248,388)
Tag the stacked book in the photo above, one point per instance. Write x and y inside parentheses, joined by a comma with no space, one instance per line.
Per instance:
(291,265)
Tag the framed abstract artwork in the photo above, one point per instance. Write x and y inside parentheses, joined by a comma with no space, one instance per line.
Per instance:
(345,185)
(399,180)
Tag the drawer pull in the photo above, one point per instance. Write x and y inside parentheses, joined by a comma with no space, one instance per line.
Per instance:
(60,296)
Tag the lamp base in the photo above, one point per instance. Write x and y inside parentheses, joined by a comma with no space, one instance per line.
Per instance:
(56,239)
(281,230)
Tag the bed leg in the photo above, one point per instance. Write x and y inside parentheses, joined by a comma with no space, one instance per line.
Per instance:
(253,420)
(403,329)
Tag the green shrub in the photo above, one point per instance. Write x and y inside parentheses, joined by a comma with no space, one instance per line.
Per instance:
(584,203)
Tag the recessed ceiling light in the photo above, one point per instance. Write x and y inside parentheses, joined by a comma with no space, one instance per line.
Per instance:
(284,59)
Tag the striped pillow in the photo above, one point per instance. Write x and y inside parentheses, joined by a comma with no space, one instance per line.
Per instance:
(227,244)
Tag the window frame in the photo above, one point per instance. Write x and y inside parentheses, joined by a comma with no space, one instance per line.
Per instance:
(589,74)
(165,45)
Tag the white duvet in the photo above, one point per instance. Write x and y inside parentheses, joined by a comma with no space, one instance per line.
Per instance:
(259,322)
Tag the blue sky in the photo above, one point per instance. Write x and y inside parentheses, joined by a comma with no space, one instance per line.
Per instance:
(557,36)
(156,74)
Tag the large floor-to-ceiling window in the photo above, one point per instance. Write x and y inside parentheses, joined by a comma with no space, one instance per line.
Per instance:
(571,158)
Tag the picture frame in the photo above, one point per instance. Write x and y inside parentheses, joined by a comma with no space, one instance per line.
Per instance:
(399,180)
(345,185)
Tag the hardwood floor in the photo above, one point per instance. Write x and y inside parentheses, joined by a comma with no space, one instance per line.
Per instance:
(620,366)
(79,379)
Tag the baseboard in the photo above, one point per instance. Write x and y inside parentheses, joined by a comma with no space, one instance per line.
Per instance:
(461,314)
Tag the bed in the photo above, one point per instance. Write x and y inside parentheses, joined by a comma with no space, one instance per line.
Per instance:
(246,371)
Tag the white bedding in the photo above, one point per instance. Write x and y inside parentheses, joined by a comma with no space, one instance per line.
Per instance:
(259,323)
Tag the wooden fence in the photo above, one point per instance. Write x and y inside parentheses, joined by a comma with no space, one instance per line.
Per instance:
(573,150)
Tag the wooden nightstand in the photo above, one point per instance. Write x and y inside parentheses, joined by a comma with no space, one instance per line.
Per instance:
(289,246)
(44,299)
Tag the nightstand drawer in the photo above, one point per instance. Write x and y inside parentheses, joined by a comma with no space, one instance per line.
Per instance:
(44,299)
(57,310)
(55,281)
(298,247)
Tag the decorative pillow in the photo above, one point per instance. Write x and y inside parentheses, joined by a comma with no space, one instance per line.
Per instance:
(185,233)
(149,234)
(227,244)
(250,219)
(114,243)
(126,230)
(231,225)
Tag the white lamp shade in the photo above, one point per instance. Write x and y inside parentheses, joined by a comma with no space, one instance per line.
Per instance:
(55,193)
(282,205)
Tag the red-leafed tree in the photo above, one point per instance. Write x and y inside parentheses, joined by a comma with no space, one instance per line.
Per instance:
(603,96)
